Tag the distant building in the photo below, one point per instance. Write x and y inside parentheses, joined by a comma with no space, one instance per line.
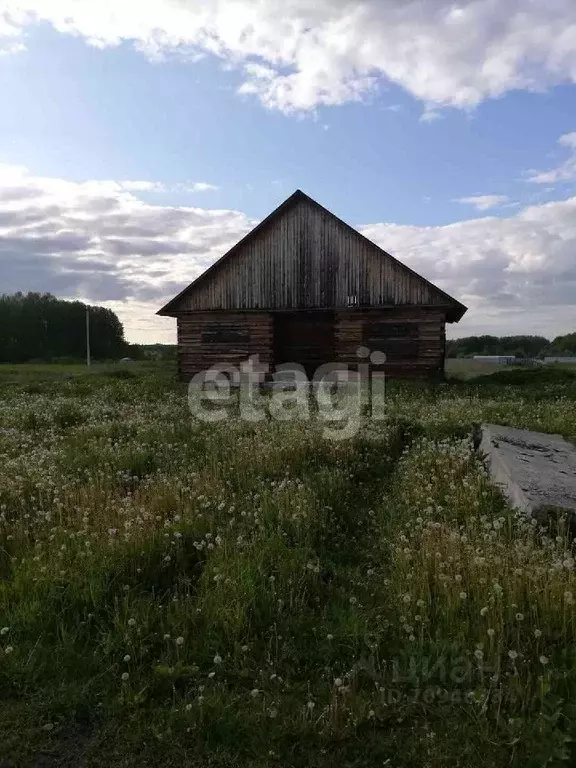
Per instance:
(500,359)
(569,360)
(303,287)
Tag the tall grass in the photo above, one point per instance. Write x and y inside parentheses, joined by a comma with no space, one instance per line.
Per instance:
(241,594)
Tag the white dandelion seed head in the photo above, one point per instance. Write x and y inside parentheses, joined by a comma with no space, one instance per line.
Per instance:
(125,676)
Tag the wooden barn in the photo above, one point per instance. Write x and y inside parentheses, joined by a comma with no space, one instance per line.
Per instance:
(304,287)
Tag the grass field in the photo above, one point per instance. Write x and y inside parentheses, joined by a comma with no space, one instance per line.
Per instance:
(466,368)
(176,593)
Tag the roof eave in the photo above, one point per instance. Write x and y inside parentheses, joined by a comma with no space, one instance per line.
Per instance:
(166,310)
(456,314)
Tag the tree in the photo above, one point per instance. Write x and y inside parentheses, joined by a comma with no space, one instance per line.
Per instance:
(520,346)
(563,346)
(38,326)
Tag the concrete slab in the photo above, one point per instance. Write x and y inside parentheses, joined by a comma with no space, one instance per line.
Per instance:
(536,472)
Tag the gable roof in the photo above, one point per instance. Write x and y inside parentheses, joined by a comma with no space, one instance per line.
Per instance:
(455,310)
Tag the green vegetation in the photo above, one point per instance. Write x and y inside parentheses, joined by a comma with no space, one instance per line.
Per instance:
(175,593)
(40,327)
(519,346)
(487,374)
(563,345)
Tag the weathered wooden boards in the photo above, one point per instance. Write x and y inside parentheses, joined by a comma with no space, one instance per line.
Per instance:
(314,338)
(304,287)
(196,355)
(308,258)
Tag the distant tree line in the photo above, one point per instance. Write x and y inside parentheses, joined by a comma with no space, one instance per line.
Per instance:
(36,326)
(518,346)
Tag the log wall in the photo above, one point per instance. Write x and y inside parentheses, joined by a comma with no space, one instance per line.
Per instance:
(208,338)
(428,331)
(254,331)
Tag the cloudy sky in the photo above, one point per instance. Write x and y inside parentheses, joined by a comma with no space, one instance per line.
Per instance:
(140,140)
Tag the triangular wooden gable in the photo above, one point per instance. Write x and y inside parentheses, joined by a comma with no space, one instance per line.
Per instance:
(302,256)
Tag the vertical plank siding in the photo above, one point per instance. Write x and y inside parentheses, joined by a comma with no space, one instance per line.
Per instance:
(308,259)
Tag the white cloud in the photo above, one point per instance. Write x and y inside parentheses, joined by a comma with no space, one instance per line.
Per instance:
(297,54)
(159,186)
(430,115)
(484,202)
(10,34)
(201,186)
(516,274)
(97,241)
(142,186)
(564,172)
(568,140)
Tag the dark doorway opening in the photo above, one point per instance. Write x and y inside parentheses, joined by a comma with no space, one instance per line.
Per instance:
(305,338)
